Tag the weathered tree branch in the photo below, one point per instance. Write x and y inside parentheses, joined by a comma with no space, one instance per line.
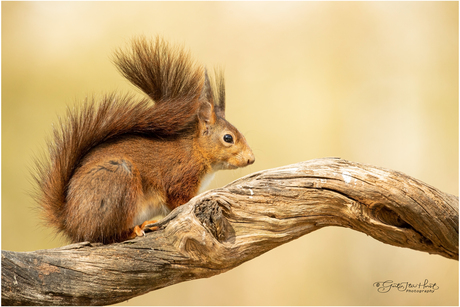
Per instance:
(219,230)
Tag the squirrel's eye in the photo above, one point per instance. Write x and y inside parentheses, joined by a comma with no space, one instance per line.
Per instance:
(228,138)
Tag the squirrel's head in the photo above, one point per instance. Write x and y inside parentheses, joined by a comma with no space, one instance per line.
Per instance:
(219,141)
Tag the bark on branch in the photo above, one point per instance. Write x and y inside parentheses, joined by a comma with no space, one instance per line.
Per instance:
(220,229)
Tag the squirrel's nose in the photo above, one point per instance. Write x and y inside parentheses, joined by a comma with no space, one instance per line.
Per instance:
(251,159)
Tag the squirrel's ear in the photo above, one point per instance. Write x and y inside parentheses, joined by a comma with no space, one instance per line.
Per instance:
(206,114)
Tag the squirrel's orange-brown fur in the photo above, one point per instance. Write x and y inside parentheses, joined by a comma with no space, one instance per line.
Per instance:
(113,165)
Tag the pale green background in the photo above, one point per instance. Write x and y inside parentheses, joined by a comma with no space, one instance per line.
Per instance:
(371,82)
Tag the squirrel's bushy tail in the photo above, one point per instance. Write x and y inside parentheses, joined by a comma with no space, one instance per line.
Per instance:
(167,75)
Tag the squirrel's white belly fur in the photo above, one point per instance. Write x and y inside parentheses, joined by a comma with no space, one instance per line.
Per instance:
(206,181)
(153,204)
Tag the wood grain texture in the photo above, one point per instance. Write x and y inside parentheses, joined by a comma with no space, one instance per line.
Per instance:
(222,228)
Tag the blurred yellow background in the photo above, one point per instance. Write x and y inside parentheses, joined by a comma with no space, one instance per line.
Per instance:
(371,82)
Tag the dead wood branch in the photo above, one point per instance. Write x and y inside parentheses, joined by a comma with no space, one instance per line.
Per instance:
(218,230)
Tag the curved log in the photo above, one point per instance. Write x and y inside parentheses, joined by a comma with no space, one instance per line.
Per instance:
(222,228)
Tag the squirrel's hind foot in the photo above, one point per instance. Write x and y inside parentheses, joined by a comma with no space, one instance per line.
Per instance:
(139,230)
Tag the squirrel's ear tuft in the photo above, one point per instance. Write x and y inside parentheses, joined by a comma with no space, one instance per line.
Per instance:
(213,91)
(219,93)
(206,90)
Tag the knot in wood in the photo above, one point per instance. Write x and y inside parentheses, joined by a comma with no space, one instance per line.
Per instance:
(209,213)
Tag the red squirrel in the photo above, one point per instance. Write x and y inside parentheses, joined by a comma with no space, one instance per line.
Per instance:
(114,165)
